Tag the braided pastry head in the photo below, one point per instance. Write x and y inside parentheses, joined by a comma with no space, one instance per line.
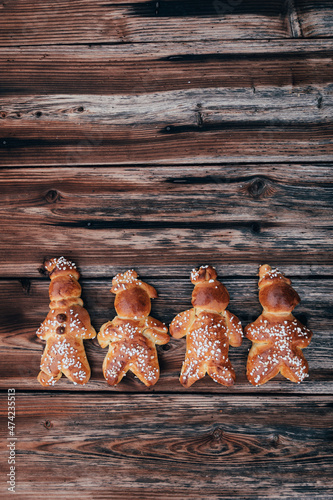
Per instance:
(276,295)
(64,289)
(132,295)
(208,294)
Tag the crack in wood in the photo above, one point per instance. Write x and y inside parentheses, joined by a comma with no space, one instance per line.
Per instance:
(292,16)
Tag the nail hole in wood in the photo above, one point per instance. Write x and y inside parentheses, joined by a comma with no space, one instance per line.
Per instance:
(47,424)
(255,228)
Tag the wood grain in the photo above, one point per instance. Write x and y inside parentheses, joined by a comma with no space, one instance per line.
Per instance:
(124,21)
(150,68)
(168,446)
(162,136)
(203,107)
(24,305)
(110,219)
(55,144)
(315,17)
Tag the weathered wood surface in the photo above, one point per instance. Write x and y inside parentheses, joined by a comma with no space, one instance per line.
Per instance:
(163,446)
(314,17)
(162,136)
(87,21)
(145,217)
(136,69)
(24,305)
(124,21)
(190,105)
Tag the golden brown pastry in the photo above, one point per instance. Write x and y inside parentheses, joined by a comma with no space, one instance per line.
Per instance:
(209,329)
(65,327)
(277,336)
(132,335)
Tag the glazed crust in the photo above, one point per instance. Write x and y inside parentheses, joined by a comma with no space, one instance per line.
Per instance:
(64,328)
(209,330)
(132,335)
(277,335)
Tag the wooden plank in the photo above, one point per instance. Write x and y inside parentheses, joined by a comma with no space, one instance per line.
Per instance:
(202,107)
(163,446)
(138,245)
(123,21)
(315,17)
(149,68)
(180,108)
(150,217)
(24,305)
(56,144)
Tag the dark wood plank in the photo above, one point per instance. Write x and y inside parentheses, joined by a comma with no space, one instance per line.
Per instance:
(24,305)
(315,17)
(197,110)
(150,68)
(150,217)
(140,244)
(162,446)
(56,144)
(123,21)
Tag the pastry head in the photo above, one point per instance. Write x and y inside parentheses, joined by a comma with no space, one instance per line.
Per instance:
(208,294)
(64,288)
(132,295)
(276,294)
(61,267)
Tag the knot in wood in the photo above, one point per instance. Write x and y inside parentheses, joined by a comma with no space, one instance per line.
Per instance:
(257,188)
(275,439)
(218,434)
(52,196)
(47,424)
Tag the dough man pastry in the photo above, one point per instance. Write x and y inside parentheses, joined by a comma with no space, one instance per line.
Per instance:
(65,327)
(209,329)
(132,335)
(277,335)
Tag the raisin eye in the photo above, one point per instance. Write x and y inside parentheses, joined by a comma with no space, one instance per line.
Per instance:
(60,330)
(61,318)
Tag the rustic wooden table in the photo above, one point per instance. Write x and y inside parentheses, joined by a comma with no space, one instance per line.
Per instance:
(160,136)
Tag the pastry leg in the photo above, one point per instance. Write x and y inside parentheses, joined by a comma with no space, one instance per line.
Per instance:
(80,374)
(50,370)
(46,379)
(222,374)
(114,365)
(192,371)
(148,374)
(262,366)
(296,368)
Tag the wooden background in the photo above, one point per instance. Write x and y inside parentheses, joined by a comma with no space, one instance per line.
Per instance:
(163,136)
